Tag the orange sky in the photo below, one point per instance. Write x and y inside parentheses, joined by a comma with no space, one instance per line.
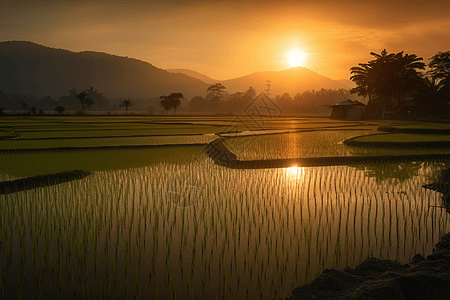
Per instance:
(227,39)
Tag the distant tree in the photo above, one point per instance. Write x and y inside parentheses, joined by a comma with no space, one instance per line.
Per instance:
(237,102)
(175,100)
(126,104)
(41,111)
(2,110)
(70,101)
(165,104)
(198,103)
(171,101)
(440,67)
(250,93)
(283,98)
(60,109)
(24,106)
(73,93)
(215,92)
(91,92)
(98,99)
(33,110)
(236,96)
(46,102)
(85,101)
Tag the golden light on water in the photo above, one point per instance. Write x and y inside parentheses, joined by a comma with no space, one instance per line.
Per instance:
(294,172)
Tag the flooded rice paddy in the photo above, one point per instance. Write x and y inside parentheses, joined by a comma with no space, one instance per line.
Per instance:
(168,223)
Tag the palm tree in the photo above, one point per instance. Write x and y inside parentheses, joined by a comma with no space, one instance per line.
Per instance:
(440,66)
(85,101)
(431,92)
(362,77)
(126,104)
(97,97)
(431,85)
(33,110)
(388,78)
(91,92)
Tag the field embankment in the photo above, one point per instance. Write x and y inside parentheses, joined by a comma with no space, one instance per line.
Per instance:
(221,155)
(28,183)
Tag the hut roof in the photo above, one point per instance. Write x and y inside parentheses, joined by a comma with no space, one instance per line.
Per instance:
(348,102)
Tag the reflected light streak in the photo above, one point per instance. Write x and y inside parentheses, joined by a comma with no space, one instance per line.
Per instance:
(294,172)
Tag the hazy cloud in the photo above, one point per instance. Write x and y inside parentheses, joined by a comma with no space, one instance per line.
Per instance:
(226,38)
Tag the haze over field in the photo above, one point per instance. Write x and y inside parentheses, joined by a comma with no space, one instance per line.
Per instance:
(230,39)
(217,149)
(32,69)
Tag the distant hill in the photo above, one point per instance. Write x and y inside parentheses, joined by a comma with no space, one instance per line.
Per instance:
(27,68)
(32,69)
(292,81)
(194,74)
(347,82)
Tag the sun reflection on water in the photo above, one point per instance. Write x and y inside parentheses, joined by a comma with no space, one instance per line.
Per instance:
(294,172)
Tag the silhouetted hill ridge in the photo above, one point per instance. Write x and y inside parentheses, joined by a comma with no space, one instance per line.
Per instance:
(194,74)
(292,81)
(29,68)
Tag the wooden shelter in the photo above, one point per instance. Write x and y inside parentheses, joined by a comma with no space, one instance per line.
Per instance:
(348,109)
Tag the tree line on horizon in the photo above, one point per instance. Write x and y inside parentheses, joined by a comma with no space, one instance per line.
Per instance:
(78,102)
(215,101)
(310,101)
(398,82)
(387,81)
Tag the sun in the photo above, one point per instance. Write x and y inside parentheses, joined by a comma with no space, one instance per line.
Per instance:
(296,58)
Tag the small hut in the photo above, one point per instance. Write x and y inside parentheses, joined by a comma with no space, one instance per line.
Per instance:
(348,109)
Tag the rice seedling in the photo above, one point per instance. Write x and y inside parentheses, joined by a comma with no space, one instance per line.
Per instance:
(248,234)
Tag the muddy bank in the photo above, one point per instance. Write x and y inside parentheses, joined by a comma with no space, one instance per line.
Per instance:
(426,144)
(413,130)
(384,279)
(326,161)
(23,184)
(119,147)
(217,151)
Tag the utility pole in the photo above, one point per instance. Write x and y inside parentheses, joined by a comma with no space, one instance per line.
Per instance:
(268,85)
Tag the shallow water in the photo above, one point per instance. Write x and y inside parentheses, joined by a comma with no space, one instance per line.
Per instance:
(313,144)
(182,227)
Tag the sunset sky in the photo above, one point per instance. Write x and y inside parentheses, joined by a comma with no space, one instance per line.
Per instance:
(227,39)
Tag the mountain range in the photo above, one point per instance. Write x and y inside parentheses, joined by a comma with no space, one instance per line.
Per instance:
(32,69)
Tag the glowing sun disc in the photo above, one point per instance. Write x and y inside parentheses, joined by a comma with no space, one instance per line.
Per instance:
(296,58)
